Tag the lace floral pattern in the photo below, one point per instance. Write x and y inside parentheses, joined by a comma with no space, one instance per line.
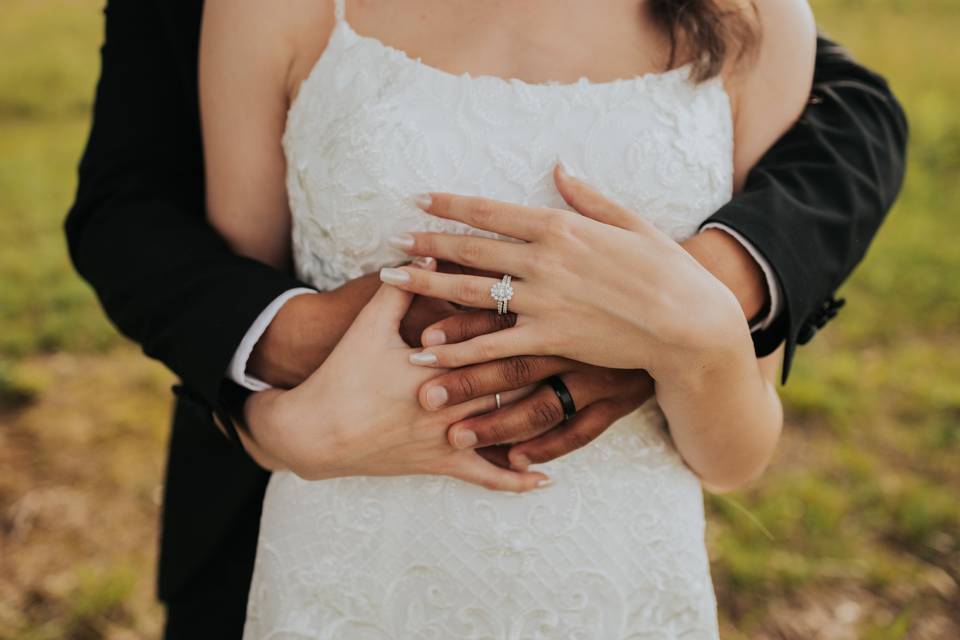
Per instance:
(615,548)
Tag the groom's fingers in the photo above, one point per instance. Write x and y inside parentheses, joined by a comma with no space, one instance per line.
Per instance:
(489,378)
(465,326)
(496,454)
(533,415)
(583,429)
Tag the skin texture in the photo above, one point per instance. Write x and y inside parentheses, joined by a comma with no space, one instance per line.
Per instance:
(675,321)
(245,168)
(391,435)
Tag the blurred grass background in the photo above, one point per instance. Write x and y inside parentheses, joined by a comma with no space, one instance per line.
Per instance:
(854,532)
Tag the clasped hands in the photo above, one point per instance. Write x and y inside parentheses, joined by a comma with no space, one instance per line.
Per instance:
(376,406)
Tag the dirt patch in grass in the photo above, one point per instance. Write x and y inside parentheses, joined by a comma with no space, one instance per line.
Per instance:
(79,498)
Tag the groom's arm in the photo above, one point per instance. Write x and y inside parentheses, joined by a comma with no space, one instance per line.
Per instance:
(813,203)
(137,231)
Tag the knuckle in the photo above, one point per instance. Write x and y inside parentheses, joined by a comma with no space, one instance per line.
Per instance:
(532,262)
(494,433)
(482,209)
(485,350)
(469,252)
(466,386)
(578,438)
(425,244)
(466,292)
(421,282)
(516,371)
(545,412)
(559,227)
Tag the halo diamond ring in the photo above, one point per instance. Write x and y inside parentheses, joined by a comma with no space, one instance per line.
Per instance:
(502,292)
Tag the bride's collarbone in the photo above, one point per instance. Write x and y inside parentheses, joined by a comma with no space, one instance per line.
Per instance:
(548,45)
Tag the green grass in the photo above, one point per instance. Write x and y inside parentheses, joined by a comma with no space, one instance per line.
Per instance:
(861,505)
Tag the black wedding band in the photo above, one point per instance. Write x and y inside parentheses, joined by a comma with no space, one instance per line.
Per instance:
(563,395)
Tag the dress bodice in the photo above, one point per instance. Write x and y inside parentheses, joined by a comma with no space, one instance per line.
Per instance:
(371,127)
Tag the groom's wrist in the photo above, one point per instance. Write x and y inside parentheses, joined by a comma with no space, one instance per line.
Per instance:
(730,262)
(304,332)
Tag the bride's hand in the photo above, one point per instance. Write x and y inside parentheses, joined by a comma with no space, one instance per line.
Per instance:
(605,287)
(358,414)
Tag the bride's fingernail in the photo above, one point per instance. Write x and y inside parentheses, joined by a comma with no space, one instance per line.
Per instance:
(423,200)
(564,169)
(434,337)
(544,483)
(423,358)
(424,262)
(436,397)
(464,439)
(394,276)
(402,241)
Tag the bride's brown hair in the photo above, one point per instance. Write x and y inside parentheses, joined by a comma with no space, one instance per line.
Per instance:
(708,33)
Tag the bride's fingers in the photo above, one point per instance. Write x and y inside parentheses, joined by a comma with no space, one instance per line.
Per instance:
(473,252)
(514,220)
(494,346)
(470,291)
(389,305)
(589,202)
(474,468)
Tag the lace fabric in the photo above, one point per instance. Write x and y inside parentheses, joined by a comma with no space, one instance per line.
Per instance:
(615,548)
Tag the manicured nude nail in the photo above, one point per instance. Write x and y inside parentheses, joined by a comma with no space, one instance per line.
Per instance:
(544,483)
(402,241)
(434,337)
(436,397)
(521,462)
(423,358)
(423,200)
(394,276)
(424,262)
(464,439)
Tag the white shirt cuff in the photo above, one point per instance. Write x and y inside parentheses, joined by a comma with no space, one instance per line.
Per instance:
(237,371)
(773,285)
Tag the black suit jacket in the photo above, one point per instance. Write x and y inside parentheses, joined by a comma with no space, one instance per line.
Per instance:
(137,233)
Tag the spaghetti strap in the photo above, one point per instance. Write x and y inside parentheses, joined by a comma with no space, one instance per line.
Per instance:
(339,10)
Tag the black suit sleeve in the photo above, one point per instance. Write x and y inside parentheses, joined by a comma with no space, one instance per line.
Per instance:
(813,203)
(137,231)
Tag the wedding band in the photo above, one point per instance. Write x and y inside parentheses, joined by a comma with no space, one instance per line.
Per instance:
(497,398)
(502,292)
(563,395)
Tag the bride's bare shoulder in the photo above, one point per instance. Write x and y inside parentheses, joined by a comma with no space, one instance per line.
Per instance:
(287,36)
(770,85)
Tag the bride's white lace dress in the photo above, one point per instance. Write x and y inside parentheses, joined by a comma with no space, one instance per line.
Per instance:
(615,548)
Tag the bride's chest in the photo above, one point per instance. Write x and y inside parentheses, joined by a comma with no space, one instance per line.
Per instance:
(368,131)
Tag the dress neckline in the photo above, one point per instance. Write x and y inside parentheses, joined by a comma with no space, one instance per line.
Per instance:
(681,72)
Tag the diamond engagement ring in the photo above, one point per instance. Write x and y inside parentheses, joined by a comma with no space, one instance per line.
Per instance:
(502,292)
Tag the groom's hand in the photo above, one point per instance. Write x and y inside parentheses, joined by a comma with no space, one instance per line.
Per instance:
(307,328)
(536,422)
